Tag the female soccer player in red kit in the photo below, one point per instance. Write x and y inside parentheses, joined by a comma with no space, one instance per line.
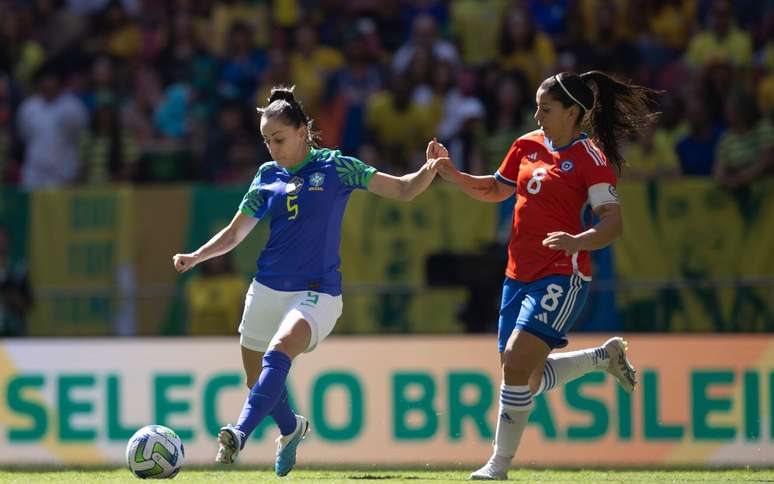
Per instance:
(554,172)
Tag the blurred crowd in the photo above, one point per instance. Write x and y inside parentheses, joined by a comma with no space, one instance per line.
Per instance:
(94,91)
(154,91)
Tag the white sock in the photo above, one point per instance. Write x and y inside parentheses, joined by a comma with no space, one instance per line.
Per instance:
(515,406)
(561,368)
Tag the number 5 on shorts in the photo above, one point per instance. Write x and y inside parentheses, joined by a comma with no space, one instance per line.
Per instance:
(311,299)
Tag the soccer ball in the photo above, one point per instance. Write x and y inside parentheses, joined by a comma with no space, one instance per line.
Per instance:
(155,452)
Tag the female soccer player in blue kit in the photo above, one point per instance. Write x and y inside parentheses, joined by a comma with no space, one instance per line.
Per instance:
(554,172)
(295,298)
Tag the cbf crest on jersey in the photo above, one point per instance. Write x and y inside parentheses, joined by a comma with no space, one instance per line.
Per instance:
(316,181)
(294,185)
(566,166)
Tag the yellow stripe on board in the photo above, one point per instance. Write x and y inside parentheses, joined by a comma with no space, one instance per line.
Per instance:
(69,453)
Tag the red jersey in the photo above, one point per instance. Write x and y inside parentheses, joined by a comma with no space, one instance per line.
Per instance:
(551,191)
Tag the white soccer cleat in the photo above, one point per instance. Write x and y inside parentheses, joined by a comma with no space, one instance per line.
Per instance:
(619,365)
(490,472)
(287,445)
(229,444)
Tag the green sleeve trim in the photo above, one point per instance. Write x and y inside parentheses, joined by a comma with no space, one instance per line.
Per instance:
(251,206)
(252,201)
(243,209)
(369,173)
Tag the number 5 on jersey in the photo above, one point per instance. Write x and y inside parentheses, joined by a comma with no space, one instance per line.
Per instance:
(292,207)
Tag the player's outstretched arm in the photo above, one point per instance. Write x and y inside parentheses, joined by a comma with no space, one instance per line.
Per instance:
(407,187)
(484,188)
(404,188)
(224,241)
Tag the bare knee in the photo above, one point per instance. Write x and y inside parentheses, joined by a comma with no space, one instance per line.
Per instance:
(292,339)
(288,345)
(522,356)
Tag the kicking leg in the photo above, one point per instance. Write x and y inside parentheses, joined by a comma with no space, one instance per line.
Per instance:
(561,368)
(294,341)
(292,338)
(281,413)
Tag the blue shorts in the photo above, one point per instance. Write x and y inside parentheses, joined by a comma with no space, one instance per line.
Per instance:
(547,308)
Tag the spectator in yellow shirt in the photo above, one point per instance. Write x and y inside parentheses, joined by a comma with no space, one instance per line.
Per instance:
(765,90)
(670,23)
(398,127)
(214,298)
(522,48)
(585,14)
(118,33)
(722,41)
(310,65)
(225,13)
(766,95)
(650,155)
(471,24)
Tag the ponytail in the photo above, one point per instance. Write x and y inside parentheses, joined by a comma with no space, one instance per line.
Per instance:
(619,109)
(610,108)
(284,104)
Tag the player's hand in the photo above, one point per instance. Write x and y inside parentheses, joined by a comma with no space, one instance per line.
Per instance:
(184,262)
(436,150)
(444,167)
(562,241)
(430,166)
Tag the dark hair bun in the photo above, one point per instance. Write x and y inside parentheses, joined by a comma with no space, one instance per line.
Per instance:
(282,93)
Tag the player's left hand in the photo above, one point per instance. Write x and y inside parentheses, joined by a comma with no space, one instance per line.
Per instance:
(562,241)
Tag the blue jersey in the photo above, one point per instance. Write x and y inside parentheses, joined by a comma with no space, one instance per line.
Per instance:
(306,205)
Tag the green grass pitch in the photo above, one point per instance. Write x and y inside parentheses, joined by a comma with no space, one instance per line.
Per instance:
(372,475)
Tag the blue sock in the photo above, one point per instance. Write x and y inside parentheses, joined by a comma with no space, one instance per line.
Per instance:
(265,393)
(284,415)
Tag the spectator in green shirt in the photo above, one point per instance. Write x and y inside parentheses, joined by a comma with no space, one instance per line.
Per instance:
(746,149)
